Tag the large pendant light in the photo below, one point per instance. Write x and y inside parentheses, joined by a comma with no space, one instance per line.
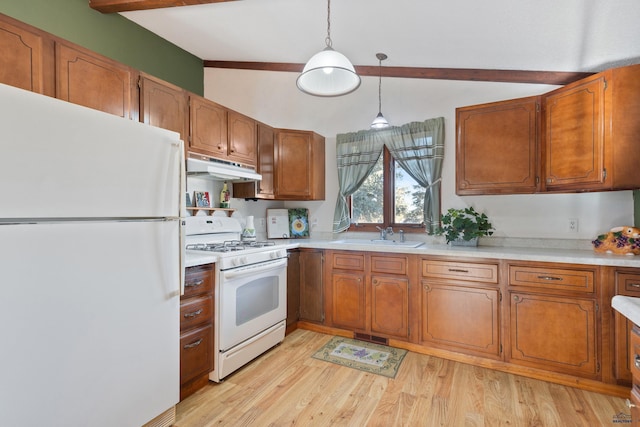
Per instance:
(380,122)
(328,73)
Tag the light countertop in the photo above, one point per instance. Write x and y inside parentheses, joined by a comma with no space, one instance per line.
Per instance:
(629,307)
(572,256)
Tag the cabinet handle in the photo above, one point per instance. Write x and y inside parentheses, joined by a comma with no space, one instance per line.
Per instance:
(636,361)
(516,298)
(629,404)
(193,284)
(634,285)
(193,344)
(193,313)
(375,281)
(458,270)
(426,288)
(549,278)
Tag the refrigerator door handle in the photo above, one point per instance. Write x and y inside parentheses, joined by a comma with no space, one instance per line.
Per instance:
(182,212)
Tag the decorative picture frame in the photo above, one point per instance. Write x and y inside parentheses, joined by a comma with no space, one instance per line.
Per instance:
(202,199)
(187,200)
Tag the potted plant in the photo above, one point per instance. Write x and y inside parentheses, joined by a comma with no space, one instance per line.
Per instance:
(462,227)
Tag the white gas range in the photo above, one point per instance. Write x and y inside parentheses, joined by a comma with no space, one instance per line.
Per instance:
(250,290)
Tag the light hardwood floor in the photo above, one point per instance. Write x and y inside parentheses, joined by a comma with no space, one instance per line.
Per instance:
(287,387)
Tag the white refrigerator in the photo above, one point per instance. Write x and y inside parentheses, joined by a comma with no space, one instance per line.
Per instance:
(90,265)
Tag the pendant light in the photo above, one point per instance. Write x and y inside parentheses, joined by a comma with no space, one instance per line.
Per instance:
(328,73)
(380,122)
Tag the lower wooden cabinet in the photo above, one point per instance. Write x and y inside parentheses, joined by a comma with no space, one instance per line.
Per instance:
(460,306)
(461,318)
(311,285)
(349,300)
(553,318)
(627,283)
(196,329)
(554,333)
(390,306)
(293,288)
(370,293)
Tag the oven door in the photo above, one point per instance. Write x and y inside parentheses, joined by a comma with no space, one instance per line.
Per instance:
(252,299)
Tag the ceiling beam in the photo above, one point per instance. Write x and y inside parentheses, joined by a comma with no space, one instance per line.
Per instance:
(471,74)
(114,6)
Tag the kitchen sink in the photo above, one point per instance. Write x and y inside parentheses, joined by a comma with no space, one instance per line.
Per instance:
(374,242)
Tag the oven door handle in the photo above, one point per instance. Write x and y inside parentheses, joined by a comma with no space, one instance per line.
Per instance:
(254,269)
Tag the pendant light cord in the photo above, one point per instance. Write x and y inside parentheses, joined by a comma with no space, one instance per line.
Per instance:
(380,86)
(328,39)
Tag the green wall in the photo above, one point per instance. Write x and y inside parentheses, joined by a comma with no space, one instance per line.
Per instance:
(113,36)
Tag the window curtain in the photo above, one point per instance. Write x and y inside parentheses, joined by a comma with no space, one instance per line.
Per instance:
(418,147)
(356,154)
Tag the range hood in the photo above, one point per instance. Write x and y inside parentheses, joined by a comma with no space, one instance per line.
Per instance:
(221,171)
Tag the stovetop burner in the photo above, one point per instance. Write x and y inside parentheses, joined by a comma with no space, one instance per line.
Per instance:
(228,246)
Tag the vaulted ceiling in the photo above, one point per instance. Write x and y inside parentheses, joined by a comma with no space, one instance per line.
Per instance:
(457,39)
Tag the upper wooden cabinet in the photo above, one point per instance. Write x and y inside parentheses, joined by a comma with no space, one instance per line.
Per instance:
(587,139)
(163,105)
(242,138)
(497,147)
(591,132)
(86,78)
(265,166)
(221,133)
(299,165)
(26,57)
(574,135)
(208,125)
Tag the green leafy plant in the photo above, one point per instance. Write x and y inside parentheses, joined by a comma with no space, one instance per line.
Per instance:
(464,223)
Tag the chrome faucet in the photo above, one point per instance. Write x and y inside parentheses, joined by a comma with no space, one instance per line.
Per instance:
(401,235)
(384,232)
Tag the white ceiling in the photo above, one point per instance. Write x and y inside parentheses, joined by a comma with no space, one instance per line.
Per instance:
(545,35)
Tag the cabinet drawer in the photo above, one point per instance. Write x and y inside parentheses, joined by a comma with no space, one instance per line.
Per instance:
(196,311)
(634,348)
(472,272)
(348,261)
(196,351)
(628,284)
(198,280)
(552,278)
(388,264)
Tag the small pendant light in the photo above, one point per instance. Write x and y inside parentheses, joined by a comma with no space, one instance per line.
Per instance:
(328,73)
(380,122)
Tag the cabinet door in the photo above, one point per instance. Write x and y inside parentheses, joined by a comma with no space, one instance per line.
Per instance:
(242,138)
(26,58)
(163,105)
(461,317)
(86,78)
(311,286)
(554,333)
(208,124)
(348,304)
(265,167)
(497,147)
(299,165)
(293,287)
(390,306)
(574,136)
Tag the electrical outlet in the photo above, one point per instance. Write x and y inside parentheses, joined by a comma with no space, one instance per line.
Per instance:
(572,225)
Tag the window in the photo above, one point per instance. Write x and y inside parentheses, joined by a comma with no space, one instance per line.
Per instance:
(389,197)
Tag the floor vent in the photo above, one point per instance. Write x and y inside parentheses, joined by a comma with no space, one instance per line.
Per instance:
(370,338)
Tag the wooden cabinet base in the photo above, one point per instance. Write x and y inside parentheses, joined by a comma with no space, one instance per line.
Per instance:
(194,385)
(539,374)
